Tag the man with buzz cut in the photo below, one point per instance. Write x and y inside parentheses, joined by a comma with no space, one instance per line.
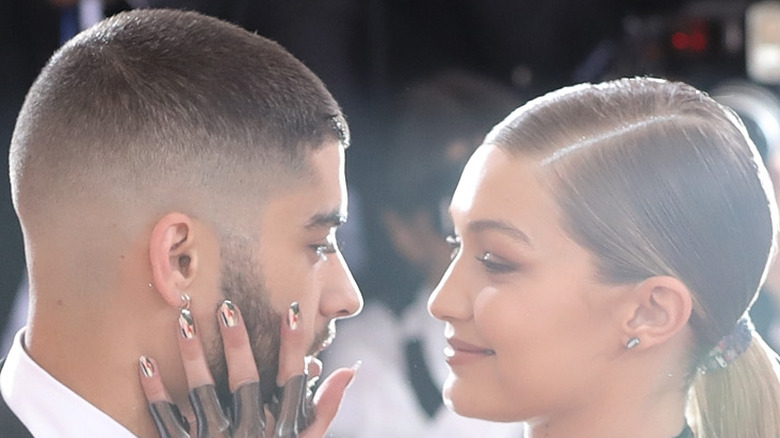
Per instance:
(164,160)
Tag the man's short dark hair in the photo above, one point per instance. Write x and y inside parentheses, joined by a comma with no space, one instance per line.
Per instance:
(154,100)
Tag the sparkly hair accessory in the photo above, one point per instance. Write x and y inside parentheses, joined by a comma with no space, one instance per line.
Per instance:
(342,129)
(729,348)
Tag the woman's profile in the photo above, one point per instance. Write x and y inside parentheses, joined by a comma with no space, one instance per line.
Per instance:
(610,241)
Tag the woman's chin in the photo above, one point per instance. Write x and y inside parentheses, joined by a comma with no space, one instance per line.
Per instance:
(467,401)
(459,398)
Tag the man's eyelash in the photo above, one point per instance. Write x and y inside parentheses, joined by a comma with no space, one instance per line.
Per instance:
(329,247)
(455,244)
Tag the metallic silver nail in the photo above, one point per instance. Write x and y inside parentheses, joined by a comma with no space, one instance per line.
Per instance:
(187,324)
(228,314)
(293,316)
(147,366)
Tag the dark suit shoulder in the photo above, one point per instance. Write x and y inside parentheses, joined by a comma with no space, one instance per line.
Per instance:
(10,426)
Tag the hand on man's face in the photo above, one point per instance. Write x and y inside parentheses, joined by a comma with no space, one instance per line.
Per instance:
(294,409)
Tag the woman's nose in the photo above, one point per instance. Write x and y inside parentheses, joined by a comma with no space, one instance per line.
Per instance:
(449,301)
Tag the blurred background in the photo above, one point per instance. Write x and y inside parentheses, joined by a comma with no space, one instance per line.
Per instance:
(412,76)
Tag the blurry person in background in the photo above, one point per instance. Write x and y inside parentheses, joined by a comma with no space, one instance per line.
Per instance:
(759,108)
(439,122)
(30,31)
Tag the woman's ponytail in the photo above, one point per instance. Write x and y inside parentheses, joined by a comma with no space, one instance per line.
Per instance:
(741,400)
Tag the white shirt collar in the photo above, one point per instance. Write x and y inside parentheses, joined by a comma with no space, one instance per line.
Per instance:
(45,406)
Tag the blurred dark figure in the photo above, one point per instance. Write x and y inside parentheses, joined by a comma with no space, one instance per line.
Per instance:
(759,108)
(439,123)
(30,31)
(29,34)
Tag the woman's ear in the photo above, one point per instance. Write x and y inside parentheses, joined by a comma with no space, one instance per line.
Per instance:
(660,309)
(173,256)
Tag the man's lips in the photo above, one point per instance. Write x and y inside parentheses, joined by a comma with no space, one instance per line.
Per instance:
(460,352)
(323,339)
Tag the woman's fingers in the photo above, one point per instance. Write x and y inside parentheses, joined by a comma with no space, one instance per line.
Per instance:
(209,415)
(151,381)
(328,399)
(294,408)
(296,416)
(192,354)
(293,348)
(241,364)
(244,379)
(166,415)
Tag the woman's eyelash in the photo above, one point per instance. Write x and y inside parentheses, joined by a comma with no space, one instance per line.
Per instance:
(455,243)
(491,262)
(494,265)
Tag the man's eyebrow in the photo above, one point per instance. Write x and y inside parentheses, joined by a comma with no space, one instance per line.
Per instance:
(501,227)
(327,220)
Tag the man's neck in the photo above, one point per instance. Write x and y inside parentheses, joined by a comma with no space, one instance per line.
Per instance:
(96,360)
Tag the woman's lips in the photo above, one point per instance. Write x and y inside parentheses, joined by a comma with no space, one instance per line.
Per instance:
(459,352)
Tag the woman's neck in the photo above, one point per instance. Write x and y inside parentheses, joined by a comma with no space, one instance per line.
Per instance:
(650,416)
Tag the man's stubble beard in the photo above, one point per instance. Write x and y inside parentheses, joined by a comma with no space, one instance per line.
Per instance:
(243,284)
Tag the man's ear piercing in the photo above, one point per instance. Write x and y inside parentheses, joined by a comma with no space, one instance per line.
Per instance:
(185,301)
(633,342)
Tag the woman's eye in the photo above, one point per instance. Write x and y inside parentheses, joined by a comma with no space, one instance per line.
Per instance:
(455,243)
(496,265)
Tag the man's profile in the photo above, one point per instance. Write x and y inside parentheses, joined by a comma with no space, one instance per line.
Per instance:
(160,155)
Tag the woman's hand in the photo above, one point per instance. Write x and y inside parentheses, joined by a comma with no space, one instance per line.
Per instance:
(249,417)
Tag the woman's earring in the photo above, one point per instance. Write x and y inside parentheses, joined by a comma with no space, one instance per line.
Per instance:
(185,301)
(633,342)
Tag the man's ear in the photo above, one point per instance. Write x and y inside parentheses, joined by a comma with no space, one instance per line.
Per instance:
(173,256)
(661,307)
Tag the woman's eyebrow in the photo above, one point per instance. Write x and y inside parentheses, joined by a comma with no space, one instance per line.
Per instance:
(511,231)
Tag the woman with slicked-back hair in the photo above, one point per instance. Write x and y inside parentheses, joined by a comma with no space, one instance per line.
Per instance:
(611,240)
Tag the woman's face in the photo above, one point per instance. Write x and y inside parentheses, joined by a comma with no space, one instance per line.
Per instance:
(531,327)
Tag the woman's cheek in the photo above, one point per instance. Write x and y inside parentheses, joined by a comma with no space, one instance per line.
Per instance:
(498,317)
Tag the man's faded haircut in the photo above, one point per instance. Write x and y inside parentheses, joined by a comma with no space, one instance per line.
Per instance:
(160,101)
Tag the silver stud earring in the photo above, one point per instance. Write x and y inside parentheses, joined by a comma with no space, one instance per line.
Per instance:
(633,342)
(185,301)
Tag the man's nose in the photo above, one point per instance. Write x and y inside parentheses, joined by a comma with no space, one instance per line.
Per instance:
(341,297)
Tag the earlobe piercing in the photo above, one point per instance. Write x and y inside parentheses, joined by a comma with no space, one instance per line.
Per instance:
(185,301)
(633,342)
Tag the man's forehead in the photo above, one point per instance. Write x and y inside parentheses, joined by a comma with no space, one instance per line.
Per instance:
(328,188)
(314,200)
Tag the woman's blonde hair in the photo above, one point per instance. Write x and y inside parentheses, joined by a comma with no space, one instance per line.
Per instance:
(656,178)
